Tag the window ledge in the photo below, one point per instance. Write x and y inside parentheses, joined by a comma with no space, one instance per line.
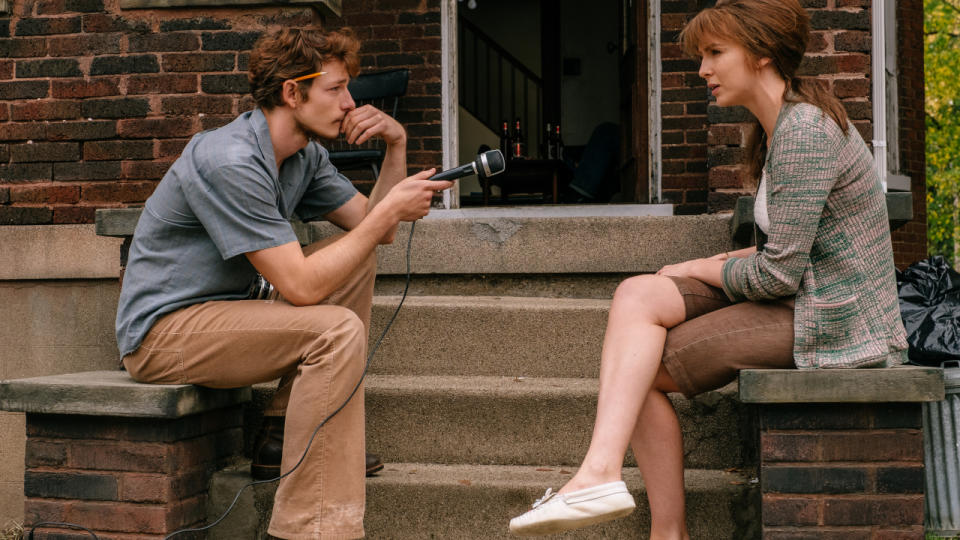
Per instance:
(899,212)
(327,7)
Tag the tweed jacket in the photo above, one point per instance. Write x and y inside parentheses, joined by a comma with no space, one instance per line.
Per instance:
(828,244)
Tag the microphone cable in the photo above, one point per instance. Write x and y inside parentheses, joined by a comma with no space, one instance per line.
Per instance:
(303,456)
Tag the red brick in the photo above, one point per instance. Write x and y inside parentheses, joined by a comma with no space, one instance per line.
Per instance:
(817,533)
(212,122)
(873,510)
(81,131)
(102,22)
(912,533)
(160,128)
(141,518)
(192,105)
(171,147)
(41,453)
(44,193)
(162,84)
(44,151)
(847,88)
(786,446)
(118,192)
(159,488)
(790,511)
(46,110)
(25,215)
(84,88)
(726,134)
(6,69)
(112,150)
(84,44)
(120,456)
(50,7)
(22,131)
(74,214)
(819,42)
(879,446)
(201,62)
(37,510)
(853,41)
(145,170)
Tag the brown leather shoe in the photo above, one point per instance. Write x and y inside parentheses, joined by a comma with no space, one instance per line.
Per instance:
(374,465)
(268,451)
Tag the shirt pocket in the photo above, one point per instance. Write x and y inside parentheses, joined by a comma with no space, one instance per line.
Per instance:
(840,326)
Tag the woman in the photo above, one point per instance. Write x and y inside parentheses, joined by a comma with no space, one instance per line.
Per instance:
(818,292)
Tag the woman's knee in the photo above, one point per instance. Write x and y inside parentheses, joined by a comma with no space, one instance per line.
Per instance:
(651,296)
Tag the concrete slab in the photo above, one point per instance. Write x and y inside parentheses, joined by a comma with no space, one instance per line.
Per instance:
(13,436)
(415,500)
(11,504)
(112,393)
(478,335)
(593,239)
(523,245)
(526,421)
(57,252)
(882,385)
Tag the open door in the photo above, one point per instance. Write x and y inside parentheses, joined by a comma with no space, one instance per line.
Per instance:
(634,103)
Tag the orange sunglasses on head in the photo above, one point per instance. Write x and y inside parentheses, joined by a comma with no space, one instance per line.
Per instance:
(310,76)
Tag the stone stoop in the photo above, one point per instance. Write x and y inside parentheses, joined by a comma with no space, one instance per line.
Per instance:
(483,394)
(419,501)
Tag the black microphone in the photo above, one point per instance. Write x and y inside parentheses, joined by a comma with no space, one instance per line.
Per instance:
(487,164)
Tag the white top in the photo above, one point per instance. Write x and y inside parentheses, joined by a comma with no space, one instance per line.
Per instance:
(760,205)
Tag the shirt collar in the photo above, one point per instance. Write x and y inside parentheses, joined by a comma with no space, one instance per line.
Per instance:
(262,133)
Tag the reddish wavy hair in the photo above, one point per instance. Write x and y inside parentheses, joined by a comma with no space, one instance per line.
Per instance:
(292,52)
(774,29)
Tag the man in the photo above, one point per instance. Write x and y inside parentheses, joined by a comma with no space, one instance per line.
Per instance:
(220,216)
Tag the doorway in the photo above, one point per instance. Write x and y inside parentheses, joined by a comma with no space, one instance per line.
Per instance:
(554,64)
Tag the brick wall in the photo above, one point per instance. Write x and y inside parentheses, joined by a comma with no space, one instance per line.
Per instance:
(842,471)
(910,242)
(125,477)
(96,102)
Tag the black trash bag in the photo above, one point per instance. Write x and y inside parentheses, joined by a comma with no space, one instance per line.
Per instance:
(929,292)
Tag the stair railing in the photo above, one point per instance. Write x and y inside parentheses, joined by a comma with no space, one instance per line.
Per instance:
(496,86)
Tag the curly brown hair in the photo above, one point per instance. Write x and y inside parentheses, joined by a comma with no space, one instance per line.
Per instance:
(293,52)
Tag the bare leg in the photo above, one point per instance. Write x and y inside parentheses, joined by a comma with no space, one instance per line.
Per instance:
(643,308)
(658,446)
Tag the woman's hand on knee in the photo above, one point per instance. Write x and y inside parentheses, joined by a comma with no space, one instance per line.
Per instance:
(684,269)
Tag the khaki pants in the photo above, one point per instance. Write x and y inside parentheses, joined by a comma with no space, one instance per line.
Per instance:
(318,352)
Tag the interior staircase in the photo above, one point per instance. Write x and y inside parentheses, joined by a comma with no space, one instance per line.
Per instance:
(483,393)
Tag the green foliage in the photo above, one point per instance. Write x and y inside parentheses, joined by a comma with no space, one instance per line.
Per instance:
(941,58)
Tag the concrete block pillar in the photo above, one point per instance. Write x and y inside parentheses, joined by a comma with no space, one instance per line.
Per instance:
(841,451)
(123,459)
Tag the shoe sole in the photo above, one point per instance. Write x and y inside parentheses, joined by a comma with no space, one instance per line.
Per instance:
(264,472)
(562,525)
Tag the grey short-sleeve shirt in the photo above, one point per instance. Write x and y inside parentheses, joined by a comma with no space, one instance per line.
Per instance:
(221,198)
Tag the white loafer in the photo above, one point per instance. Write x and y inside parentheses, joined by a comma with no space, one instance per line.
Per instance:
(555,513)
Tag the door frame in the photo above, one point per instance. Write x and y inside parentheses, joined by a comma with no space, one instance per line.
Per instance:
(450,127)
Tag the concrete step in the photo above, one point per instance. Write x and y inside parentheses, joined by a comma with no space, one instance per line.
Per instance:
(419,501)
(490,335)
(527,240)
(527,421)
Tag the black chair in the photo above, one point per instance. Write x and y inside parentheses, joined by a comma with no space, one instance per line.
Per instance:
(382,90)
